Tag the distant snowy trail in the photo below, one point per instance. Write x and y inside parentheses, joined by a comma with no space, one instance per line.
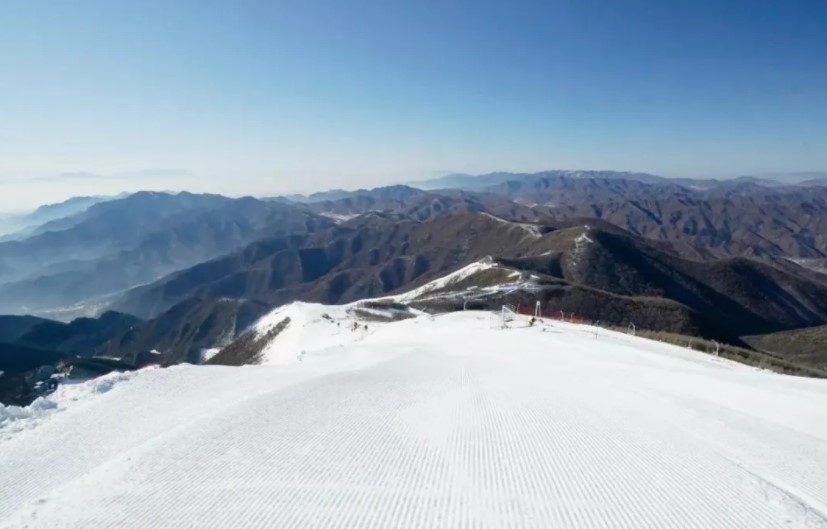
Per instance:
(438,422)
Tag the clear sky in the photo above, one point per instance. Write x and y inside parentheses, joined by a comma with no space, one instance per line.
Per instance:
(260,97)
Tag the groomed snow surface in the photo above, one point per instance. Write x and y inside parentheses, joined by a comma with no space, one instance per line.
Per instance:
(440,421)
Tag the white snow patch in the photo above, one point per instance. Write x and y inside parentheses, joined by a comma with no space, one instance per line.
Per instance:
(339,217)
(531,229)
(583,238)
(206,354)
(580,243)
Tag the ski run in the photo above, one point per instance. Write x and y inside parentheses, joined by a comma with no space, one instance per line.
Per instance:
(434,421)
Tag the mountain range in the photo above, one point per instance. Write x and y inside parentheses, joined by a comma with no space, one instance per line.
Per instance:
(118,244)
(163,277)
(21,226)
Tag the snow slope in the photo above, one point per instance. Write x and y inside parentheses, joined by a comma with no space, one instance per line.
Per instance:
(440,421)
(440,288)
(446,281)
(313,327)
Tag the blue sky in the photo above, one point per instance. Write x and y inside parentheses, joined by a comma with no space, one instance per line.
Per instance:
(269,96)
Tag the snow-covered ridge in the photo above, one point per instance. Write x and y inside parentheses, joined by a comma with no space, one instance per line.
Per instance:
(531,229)
(447,280)
(442,287)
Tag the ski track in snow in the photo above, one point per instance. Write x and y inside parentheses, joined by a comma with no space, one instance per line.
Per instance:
(434,422)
